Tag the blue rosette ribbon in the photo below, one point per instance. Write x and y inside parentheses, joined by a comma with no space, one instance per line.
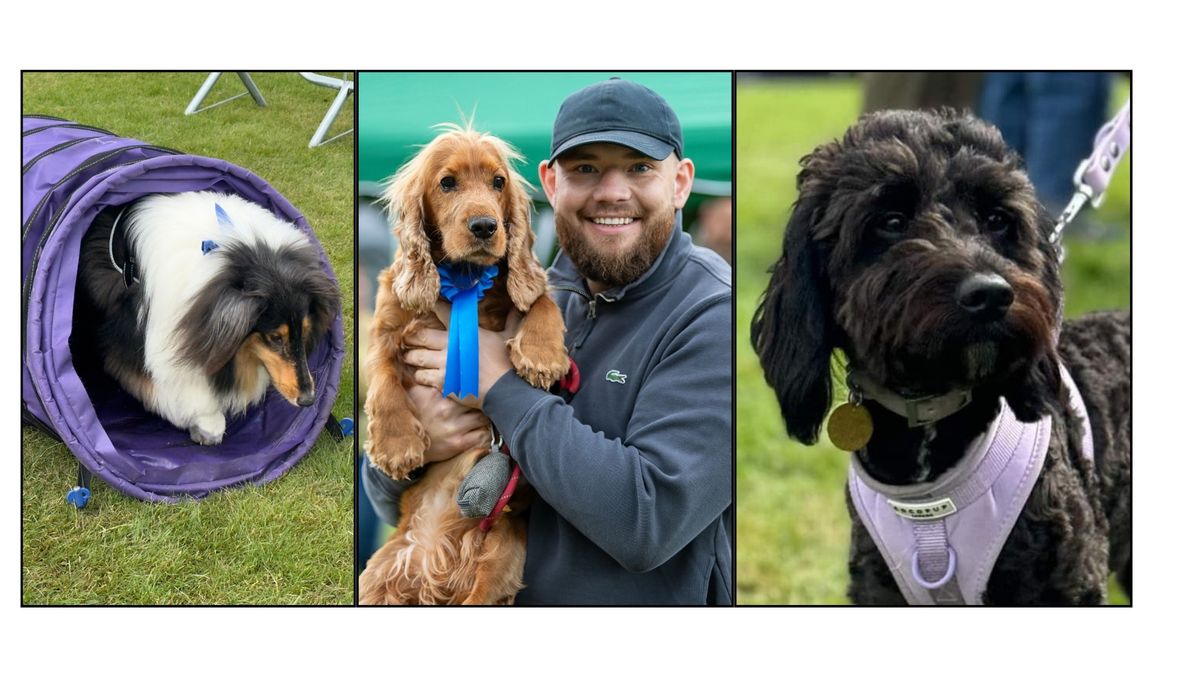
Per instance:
(464,285)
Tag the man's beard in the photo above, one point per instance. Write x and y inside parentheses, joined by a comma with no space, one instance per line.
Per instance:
(616,268)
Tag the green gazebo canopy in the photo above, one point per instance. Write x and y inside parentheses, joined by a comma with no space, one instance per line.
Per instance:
(397,111)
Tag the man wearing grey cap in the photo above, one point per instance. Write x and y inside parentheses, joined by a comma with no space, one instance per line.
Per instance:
(633,472)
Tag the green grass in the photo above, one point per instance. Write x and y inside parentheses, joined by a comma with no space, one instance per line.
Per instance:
(288,542)
(793,532)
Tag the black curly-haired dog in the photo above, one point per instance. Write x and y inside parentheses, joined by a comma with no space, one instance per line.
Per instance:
(918,248)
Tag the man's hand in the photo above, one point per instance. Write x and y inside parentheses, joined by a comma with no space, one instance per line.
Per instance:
(452,427)
(427,354)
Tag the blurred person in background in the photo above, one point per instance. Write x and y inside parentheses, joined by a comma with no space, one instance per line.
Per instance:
(714,226)
(920,89)
(1050,118)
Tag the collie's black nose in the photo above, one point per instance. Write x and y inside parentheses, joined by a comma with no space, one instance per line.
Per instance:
(482,227)
(305,399)
(985,296)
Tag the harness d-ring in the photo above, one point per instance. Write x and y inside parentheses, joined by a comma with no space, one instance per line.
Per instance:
(950,567)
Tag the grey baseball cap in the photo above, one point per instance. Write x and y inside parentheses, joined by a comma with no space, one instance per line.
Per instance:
(617,111)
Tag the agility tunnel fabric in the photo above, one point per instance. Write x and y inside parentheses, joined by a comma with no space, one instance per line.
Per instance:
(69,173)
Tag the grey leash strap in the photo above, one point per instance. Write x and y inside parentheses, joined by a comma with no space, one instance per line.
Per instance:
(1094,173)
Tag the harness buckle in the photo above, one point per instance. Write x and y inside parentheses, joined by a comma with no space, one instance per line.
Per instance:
(923,411)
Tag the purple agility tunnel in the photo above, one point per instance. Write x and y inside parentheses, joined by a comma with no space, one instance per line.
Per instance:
(69,173)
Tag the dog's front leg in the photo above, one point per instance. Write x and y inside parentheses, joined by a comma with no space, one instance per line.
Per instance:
(184,398)
(396,441)
(537,351)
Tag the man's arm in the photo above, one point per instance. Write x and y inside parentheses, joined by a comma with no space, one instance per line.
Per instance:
(646,496)
(384,492)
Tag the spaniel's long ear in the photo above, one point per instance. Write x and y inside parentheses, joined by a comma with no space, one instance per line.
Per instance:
(791,329)
(526,278)
(416,284)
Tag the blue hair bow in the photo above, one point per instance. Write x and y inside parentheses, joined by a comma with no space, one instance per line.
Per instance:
(208,245)
(463,285)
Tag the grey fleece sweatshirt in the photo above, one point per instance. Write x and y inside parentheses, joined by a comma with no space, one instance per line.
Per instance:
(634,472)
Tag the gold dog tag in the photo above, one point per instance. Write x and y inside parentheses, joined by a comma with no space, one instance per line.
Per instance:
(850,427)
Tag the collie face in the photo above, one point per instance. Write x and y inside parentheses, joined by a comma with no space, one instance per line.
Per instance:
(228,300)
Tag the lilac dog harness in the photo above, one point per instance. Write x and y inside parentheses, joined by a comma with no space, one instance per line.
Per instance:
(941,538)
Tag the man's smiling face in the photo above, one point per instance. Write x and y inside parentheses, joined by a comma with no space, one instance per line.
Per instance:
(614,208)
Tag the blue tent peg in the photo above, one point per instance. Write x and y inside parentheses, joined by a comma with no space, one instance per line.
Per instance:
(79,496)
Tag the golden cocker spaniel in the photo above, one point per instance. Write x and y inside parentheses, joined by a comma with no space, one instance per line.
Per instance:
(460,201)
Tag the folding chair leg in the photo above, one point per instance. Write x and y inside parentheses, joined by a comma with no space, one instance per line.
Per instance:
(331,115)
(251,89)
(194,106)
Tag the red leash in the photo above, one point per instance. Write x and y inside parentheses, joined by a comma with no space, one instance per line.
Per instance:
(486,523)
(569,382)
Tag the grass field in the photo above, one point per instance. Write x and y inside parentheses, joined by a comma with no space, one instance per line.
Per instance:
(288,542)
(792,526)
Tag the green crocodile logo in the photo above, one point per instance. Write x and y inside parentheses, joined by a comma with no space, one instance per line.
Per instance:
(615,376)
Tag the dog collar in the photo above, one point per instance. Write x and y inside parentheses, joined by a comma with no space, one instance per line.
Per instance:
(128,265)
(919,412)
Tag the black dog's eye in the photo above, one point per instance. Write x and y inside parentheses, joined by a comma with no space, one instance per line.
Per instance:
(891,224)
(448,183)
(275,339)
(997,221)
(498,182)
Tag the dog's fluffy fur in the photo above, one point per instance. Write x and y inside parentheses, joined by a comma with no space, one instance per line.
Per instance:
(198,337)
(437,556)
(890,221)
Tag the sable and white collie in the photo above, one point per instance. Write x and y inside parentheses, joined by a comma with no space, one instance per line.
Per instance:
(221,300)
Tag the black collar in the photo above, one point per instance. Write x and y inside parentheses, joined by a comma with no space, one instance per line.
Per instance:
(120,252)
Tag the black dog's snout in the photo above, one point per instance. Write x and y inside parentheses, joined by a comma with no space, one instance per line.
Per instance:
(306,399)
(985,296)
(482,227)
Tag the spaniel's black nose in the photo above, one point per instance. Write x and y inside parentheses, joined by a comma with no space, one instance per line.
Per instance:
(482,227)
